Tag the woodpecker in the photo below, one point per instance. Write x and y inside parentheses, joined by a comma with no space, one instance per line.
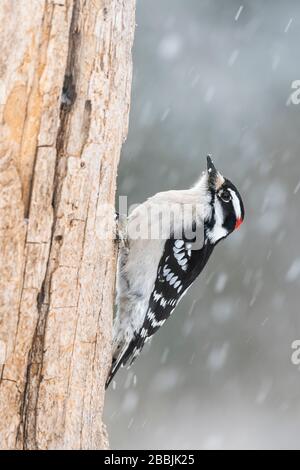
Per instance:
(165,244)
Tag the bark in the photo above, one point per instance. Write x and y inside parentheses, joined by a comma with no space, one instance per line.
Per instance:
(65,79)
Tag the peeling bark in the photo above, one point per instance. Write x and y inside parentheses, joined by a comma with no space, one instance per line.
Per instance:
(65,79)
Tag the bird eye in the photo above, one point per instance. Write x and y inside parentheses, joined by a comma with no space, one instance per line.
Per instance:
(225,195)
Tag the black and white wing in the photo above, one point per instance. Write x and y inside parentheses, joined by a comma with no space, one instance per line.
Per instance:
(179,266)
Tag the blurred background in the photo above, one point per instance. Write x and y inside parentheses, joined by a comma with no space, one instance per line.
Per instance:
(215,77)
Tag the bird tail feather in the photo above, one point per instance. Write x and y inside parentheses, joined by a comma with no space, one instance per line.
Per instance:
(127,354)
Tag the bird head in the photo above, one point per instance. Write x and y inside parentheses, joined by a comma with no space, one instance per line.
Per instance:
(227,208)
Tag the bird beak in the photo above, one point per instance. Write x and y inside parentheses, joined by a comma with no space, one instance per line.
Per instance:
(212,173)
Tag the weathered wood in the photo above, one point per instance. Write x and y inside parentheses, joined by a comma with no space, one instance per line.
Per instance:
(58,166)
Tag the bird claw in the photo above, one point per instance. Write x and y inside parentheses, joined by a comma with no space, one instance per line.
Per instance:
(121,230)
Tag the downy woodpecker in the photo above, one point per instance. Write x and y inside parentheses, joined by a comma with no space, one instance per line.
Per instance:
(166,243)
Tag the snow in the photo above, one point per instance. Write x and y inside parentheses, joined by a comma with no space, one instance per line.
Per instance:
(165,355)
(210,93)
(238,13)
(293,273)
(233,57)
(288,25)
(221,282)
(170,47)
(165,380)
(217,357)
(264,391)
(272,208)
(187,327)
(297,188)
(223,310)
(275,61)
(165,114)
(130,423)
(130,401)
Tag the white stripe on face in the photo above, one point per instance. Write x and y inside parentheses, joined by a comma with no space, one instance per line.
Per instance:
(218,231)
(236,204)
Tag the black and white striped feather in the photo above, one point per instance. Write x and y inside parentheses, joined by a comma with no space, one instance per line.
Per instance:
(179,266)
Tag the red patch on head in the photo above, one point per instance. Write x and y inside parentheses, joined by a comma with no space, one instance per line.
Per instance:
(238,223)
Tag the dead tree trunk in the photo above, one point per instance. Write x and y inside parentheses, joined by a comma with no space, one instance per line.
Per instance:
(65,79)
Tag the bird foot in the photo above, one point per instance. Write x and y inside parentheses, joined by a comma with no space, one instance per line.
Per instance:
(121,230)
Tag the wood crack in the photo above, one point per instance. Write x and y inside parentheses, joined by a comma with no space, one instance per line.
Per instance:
(29,406)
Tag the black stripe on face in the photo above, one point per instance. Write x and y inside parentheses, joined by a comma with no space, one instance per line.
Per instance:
(229,213)
(231,186)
